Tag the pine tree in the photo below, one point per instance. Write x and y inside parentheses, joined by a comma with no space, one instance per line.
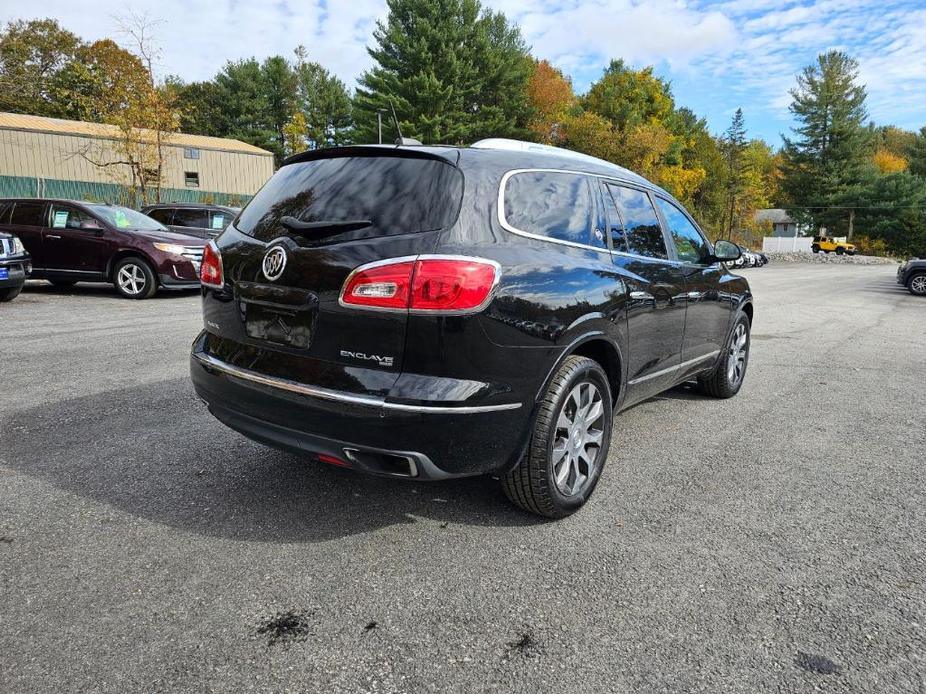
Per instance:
(831,148)
(453,72)
(918,154)
(324,102)
(733,147)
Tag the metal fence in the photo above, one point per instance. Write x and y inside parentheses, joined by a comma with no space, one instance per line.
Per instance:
(787,244)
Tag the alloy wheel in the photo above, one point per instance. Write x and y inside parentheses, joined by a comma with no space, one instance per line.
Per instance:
(577,439)
(918,284)
(131,279)
(739,349)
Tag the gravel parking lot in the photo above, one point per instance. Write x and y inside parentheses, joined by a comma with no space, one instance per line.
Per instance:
(772,542)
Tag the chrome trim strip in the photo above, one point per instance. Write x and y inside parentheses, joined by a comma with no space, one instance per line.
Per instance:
(636,185)
(338,396)
(677,367)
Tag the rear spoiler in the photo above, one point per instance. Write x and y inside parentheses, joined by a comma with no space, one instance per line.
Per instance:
(448,155)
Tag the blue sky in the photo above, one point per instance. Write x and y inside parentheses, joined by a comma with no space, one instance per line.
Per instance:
(718,54)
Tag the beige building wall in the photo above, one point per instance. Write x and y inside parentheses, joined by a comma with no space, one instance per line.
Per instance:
(51,155)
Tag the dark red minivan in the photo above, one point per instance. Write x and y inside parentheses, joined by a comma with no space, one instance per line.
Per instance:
(72,241)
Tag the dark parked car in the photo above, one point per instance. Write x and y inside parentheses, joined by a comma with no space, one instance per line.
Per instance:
(15,266)
(74,241)
(437,312)
(204,221)
(912,275)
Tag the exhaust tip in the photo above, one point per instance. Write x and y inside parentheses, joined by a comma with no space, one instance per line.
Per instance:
(383,463)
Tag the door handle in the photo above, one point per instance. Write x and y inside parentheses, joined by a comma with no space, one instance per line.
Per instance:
(641,296)
(52,236)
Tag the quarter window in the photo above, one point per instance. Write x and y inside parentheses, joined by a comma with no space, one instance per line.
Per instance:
(689,244)
(551,204)
(219,220)
(641,225)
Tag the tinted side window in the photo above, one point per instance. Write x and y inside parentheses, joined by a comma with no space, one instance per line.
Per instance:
(190,218)
(616,226)
(29,213)
(66,217)
(557,205)
(5,209)
(689,244)
(162,214)
(641,225)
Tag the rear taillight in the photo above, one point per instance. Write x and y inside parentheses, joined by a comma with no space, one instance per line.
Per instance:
(210,271)
(429,284)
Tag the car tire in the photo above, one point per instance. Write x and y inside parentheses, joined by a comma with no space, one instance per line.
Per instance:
(727,377)
(134,278)
(63,284)
(569,442)
(10,293)
(815,248)
(917,284)
(840,250)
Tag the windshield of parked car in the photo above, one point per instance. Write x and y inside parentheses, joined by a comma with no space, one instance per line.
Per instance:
(395,195)
(126,219)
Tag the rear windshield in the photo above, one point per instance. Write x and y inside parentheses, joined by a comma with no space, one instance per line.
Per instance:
(398,195)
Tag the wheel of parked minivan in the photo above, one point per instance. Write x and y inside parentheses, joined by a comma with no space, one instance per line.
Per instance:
(727,377)
(917,284)
(569,442)
(815,248)
(134,278)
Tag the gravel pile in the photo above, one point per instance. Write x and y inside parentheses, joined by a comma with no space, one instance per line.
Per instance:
(830,258)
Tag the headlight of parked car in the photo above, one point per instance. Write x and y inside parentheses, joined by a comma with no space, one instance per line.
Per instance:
(18,248)
(172,248)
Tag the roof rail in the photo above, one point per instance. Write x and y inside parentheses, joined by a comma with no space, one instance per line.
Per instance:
(502,143)
(524,146)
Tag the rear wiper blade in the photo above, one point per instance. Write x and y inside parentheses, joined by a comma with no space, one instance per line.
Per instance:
(328,225)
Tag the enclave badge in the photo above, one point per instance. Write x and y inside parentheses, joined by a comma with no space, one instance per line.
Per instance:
(274,263)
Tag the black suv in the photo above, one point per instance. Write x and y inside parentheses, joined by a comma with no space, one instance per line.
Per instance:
(192,219)
(437,312)
(15,266)
(912,275)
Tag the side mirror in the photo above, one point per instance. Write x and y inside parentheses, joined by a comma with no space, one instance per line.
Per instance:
(91,225)
(725,251)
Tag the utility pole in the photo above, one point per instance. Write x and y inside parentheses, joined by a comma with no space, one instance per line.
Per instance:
(851,222)
(379,125)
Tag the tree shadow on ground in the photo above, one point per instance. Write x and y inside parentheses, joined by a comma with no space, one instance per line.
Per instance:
(154,451)
(97,289)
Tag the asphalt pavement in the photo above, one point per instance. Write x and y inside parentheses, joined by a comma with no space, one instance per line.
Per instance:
(773,542)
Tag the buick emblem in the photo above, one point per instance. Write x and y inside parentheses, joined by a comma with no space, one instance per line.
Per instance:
(274,263)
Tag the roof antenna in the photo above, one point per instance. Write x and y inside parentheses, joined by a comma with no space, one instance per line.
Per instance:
(401,140)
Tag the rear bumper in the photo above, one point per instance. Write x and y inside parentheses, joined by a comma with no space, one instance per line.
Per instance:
(423,441)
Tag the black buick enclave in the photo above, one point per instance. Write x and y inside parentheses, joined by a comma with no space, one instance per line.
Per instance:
(437,312)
